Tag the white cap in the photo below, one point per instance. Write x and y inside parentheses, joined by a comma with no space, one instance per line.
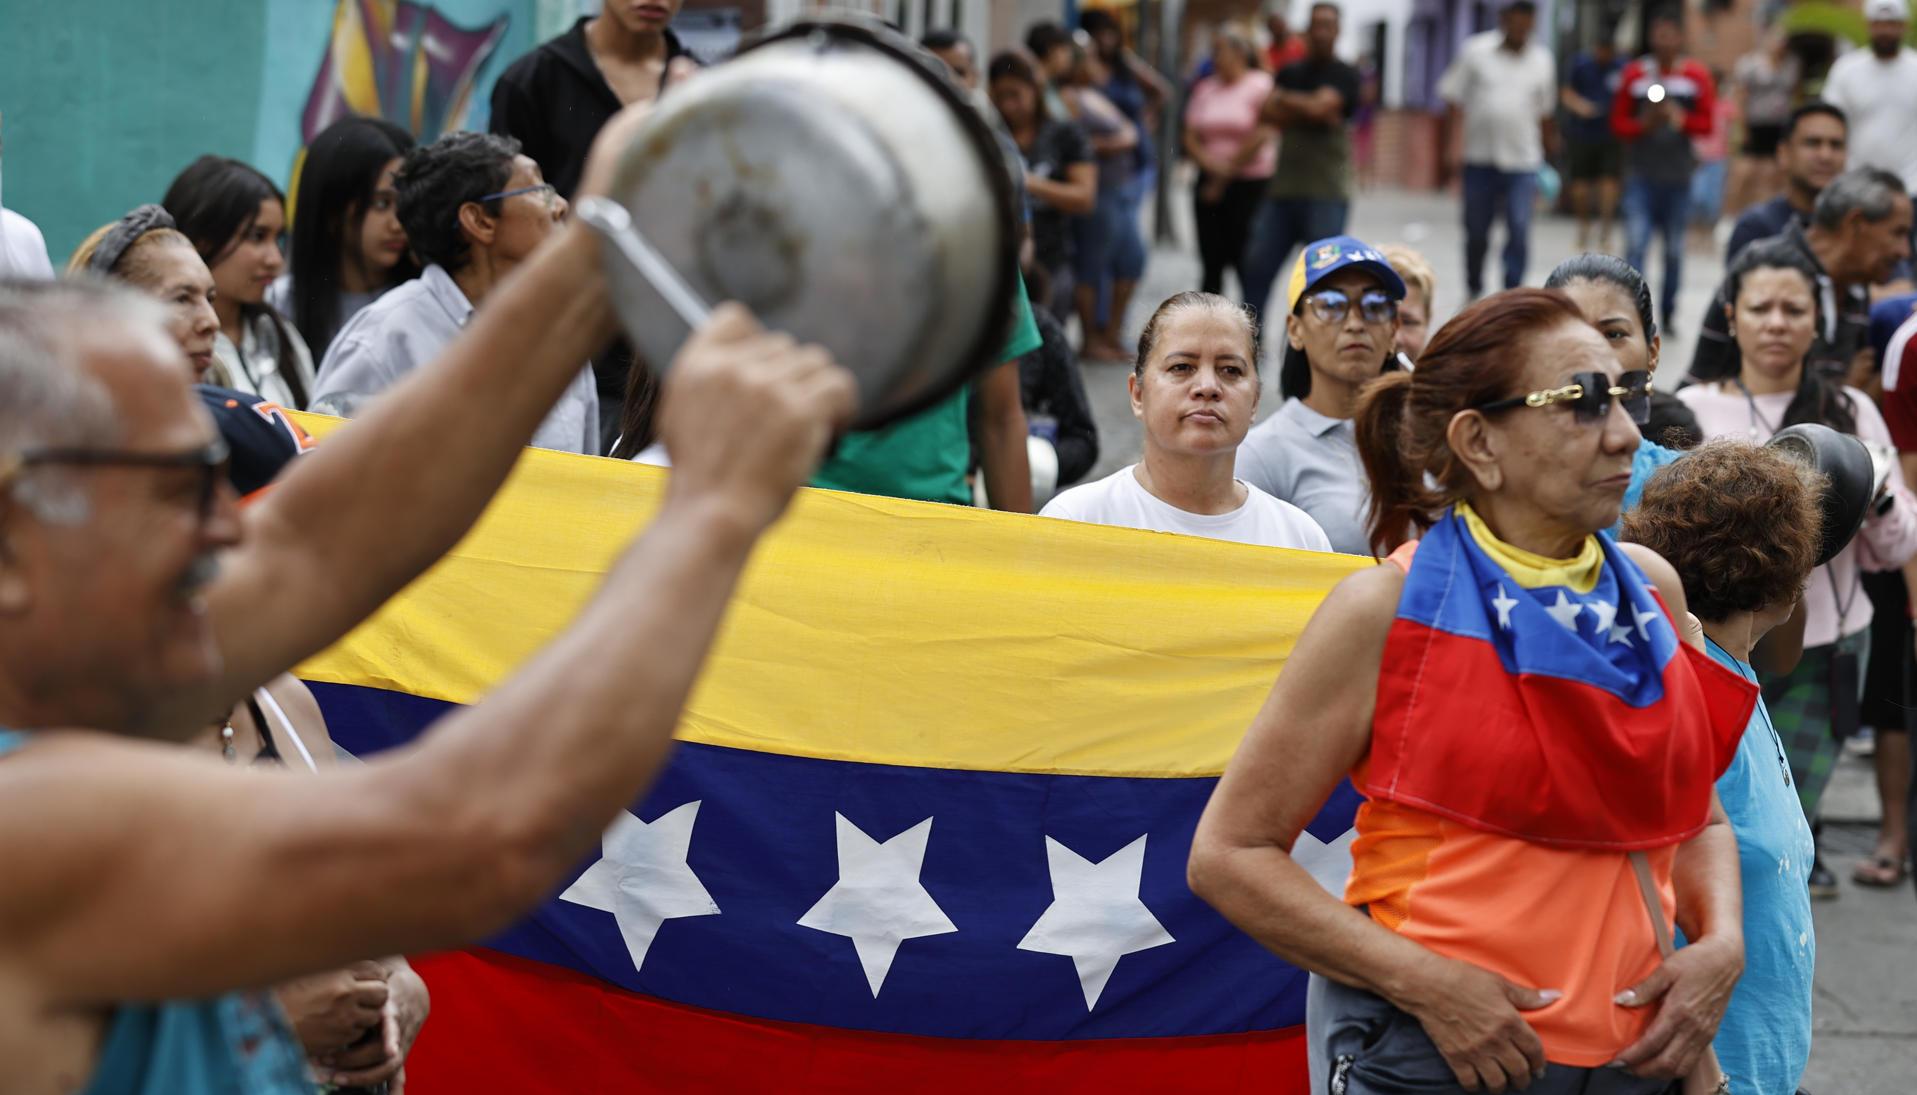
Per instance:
(1893,11)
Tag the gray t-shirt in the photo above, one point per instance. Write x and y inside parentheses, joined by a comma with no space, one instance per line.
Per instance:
(1311,461)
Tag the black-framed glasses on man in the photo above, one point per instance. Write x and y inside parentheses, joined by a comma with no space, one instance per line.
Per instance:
(1589,395)
(210,460)
(548,193)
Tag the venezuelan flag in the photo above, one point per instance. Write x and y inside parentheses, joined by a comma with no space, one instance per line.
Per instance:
(1590,723)
(927,823)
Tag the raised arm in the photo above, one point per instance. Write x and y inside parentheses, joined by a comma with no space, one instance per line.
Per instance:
(1313,728)
(131,868)
(351,524)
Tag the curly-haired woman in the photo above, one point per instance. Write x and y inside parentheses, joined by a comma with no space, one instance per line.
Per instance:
(1741,527)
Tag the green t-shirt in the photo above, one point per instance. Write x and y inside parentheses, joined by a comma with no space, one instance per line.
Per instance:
(1314,161)
(927,455)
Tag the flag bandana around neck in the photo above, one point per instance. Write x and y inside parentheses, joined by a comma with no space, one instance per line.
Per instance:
(1548,700)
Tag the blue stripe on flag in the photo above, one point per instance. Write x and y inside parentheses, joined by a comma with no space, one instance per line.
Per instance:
(771,836)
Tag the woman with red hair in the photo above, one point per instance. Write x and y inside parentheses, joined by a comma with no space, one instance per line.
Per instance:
(1514,695)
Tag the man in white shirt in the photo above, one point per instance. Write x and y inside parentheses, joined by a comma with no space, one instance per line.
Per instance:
(1502,88)
(1877,90)
(473,208)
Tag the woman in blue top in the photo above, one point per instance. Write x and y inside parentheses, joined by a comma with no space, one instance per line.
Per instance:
(1741,526)
(1616,300)
(1137,90)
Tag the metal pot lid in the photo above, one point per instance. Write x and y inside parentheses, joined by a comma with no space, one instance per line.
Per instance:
(874,220)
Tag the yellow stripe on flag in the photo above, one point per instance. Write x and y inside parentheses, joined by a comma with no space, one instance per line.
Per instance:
(885,631)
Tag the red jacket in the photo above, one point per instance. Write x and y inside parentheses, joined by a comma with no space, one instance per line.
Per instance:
(1688,80)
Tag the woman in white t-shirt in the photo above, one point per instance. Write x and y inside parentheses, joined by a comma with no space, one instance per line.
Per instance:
(1194,386)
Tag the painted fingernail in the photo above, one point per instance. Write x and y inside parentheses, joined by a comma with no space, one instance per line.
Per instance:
(1550,995)
(1627,998)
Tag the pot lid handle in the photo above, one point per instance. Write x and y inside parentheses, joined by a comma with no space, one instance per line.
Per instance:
(614,224)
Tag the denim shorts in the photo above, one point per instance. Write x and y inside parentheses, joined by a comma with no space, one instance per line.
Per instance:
(1370,1047)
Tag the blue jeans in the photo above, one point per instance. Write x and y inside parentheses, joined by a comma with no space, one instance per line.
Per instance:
(1707,192)
(1664,208)
(1126,251)
(1487,193)
(1280,225)
(1362,1045)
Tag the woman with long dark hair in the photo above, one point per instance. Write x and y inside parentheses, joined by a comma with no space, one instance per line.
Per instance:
(347,245)
(1616,299)
(1772,295)
(1534,730)
(236,219)
(1061,177)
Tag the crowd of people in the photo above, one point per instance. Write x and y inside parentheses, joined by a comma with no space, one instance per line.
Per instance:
(1560,544)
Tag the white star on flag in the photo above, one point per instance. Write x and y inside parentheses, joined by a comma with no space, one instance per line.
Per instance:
(1605,612)
(1644,621)
(1329,863)
(642,878)
(878,902)
(1565,612)
(1504,603)
(1095,917)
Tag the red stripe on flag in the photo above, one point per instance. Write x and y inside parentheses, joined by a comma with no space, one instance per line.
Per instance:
(501,1023)
(1549,759)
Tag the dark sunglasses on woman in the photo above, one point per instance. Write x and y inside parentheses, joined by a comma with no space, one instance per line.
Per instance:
(1589,395)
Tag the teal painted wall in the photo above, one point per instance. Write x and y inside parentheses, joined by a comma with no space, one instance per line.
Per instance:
(104,101)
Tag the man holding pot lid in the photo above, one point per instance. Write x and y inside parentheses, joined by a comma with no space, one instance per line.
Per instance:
(131,590)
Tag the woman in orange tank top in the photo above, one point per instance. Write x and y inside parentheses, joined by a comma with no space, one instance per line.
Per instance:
(1519,700)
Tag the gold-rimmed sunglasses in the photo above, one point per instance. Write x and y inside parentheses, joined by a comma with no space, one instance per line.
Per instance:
(1589,395)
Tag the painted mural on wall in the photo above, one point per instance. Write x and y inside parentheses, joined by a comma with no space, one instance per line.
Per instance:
(403,61)
(425,65)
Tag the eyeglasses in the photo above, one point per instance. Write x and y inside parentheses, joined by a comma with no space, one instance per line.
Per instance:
(1589,395)
(210,460)
(1333,305)
(546,191)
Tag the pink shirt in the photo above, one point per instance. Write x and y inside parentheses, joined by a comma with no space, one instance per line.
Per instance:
(1885,543)
(1222,115)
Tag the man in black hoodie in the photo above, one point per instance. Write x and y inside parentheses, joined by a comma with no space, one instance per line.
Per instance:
(553,101)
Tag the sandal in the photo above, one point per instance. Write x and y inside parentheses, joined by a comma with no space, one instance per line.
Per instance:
(1880,872)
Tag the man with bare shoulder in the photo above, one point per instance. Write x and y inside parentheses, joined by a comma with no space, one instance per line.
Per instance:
(130,586)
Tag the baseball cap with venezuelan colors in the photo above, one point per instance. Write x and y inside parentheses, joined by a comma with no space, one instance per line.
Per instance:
(1323,258)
